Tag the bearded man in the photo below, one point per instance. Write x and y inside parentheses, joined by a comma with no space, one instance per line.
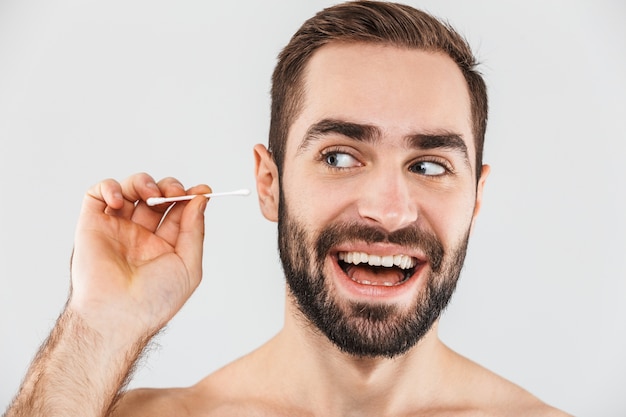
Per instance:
(374,174)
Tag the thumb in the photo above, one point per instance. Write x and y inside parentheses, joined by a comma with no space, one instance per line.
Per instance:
(189,245)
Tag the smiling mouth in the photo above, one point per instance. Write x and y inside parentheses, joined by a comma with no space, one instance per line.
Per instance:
(376,270)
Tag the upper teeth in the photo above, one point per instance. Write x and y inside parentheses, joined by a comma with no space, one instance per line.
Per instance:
(401,261)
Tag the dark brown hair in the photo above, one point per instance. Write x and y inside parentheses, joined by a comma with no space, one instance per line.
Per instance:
(374,22)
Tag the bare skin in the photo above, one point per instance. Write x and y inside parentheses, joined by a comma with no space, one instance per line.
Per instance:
(265,384)
(130,276)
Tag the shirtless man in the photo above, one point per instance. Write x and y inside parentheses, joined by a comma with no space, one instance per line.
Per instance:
(366,96)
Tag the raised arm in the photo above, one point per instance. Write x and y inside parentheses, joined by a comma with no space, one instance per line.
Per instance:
(133,268)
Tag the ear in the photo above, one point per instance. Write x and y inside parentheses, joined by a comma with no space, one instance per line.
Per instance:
(267,186)
(479,193)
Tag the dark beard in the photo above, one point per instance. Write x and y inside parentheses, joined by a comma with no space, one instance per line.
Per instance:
(365,329)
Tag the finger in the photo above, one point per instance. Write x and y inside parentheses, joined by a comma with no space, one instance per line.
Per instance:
(134,188)
(189,245)
(170,227)
(150,217)
(105,194)
(102,198)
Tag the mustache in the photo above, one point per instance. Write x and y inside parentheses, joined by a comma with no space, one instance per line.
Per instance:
(409,237)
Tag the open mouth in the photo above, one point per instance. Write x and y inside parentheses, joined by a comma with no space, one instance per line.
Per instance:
(369,269)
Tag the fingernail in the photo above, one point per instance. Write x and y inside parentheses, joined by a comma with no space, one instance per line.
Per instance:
(202,206)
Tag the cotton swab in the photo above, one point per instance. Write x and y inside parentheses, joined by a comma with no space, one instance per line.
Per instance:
(154,201)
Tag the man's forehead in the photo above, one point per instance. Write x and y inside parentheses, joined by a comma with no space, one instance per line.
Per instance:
(386,87)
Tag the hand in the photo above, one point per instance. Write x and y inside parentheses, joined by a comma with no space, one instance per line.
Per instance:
(134,266)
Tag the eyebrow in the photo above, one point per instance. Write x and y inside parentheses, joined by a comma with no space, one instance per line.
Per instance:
(371,134)
(356,131)
(440,140)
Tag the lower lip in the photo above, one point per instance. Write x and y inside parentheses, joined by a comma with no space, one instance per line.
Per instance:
(376,293)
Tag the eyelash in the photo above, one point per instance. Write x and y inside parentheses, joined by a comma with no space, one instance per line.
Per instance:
(335,150)
(435,160)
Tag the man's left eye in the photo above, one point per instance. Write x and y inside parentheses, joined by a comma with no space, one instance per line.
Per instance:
(341,160)
(427,168)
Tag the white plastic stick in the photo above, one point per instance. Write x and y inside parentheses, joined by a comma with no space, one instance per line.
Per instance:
(154,201)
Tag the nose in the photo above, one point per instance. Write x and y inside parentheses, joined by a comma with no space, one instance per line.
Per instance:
(387,201)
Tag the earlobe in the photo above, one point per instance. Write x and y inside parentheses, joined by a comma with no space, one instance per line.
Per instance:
(484,173)
(267,183)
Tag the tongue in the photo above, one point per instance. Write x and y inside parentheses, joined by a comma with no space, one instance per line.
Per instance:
(375,275)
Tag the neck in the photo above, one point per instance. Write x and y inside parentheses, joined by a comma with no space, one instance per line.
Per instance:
(335,383)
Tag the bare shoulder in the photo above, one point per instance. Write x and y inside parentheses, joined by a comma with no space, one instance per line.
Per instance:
(491,394)
(236,390)
(511,400)
(205,399)
(224,393)
(183,402)
(155,402)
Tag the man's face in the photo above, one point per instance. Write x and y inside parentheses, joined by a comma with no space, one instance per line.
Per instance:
(377,194)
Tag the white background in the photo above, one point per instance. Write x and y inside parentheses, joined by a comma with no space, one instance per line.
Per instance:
(96,89)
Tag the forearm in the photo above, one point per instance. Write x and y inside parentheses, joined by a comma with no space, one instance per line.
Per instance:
(77,371)
(133,268)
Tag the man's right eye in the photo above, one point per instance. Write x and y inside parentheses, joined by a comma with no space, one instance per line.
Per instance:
(341,160)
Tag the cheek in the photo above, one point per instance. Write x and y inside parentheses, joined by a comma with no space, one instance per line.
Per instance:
(317,203)
(449,217)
